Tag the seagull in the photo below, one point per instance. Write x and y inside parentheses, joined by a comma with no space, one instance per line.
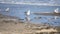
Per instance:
(56,10)
(27,15)
(28,12)
(7,9)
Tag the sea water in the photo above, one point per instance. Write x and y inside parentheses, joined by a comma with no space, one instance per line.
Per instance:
(19,10)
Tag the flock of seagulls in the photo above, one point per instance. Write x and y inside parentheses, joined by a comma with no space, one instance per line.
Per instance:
(28,13)
(56,11)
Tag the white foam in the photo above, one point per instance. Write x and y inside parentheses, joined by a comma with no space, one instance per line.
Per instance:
(30,3)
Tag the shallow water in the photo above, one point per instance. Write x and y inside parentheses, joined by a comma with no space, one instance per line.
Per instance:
(18,11)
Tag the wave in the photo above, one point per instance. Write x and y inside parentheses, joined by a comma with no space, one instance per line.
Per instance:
(30,3)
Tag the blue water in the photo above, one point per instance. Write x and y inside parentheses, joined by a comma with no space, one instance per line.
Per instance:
(18,11)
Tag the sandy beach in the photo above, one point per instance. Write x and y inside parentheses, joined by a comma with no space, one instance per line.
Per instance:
(12,25)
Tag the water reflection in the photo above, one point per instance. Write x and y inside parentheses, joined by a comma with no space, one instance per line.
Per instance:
(52,20)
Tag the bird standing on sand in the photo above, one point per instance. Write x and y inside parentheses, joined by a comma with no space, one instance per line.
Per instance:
(27,15)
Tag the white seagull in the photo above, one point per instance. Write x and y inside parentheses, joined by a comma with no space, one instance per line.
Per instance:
(56,10)
(28,12)
(7,9)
